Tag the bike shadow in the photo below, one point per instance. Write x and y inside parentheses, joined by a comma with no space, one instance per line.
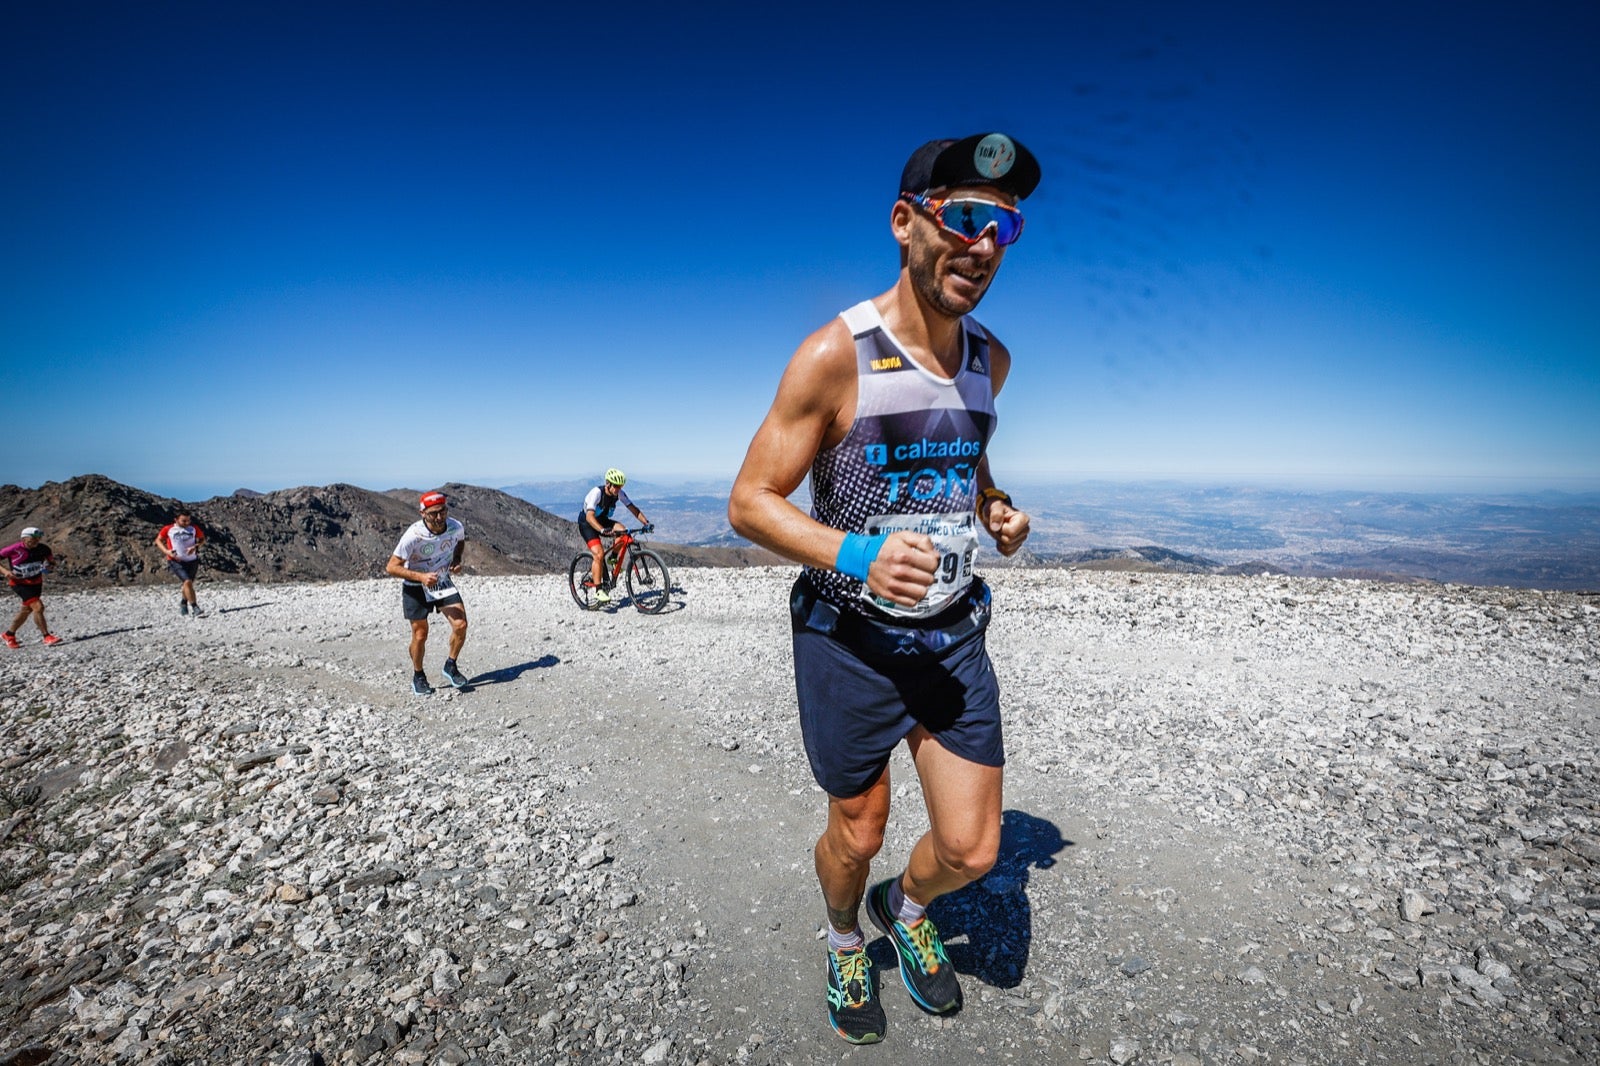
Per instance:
(987,926)
(511,673)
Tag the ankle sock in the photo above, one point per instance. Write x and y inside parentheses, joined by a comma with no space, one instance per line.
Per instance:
(903,906)
(850,941)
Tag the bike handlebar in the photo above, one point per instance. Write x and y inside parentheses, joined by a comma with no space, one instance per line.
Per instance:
(651,528)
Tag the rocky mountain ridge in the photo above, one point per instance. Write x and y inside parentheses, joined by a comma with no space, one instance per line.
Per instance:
(102,531)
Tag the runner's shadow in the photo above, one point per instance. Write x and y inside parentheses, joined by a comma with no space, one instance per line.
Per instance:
(511,673)
(245,607)
(111,632)
(987,926)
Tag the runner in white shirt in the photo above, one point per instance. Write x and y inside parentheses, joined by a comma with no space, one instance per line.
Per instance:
(180,543)
(428,553)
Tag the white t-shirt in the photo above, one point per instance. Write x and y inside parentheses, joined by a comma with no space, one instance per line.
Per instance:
(184,541)
(421,550)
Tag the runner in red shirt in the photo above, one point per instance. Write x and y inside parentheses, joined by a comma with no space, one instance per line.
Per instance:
(180,543)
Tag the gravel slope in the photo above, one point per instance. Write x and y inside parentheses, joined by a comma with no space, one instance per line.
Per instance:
(1247,820)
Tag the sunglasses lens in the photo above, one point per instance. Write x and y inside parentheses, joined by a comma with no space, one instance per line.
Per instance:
(969,218)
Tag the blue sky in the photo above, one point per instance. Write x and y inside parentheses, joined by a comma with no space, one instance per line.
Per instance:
(401,244)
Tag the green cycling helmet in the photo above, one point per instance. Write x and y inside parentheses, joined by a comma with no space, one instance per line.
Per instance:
(616,477)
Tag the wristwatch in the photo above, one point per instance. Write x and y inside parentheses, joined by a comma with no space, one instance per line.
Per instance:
(987,497)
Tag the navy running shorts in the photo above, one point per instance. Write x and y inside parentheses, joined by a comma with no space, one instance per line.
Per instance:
(183,571)
(859,699)
(416,606)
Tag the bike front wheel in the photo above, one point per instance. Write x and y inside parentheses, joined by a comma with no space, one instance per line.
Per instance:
(648,583)
(580,583)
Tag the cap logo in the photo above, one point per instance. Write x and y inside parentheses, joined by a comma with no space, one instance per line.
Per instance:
(994,156)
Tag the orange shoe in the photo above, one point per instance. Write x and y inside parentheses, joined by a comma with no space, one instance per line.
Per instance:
(11,640)
(51,639)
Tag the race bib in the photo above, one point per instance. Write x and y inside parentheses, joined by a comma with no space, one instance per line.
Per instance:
(443,589)
(955,538)
(28,570)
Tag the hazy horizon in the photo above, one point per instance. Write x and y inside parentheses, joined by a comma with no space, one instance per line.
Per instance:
(1397,484)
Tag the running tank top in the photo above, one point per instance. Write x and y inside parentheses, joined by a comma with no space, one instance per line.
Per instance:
(909,462)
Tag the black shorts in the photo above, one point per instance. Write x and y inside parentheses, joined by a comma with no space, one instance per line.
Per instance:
(586,531)
(416,606)
(27,592)
(183,571)
(862,688)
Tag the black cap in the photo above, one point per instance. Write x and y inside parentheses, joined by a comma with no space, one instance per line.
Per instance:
(982,159)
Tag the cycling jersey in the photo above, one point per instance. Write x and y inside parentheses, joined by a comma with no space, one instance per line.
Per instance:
(909,461)
(603,505)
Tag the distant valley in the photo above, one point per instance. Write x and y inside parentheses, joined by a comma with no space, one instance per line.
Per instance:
(1545,540)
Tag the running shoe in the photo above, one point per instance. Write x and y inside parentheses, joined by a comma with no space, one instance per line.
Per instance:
(183,606)
(602,596)
(420,686)
(924,967)
(51,639)
(12,641)
(853,1006)
(196,611)
(454,675)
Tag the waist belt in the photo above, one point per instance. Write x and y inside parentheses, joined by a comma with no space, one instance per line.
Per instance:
(883,639)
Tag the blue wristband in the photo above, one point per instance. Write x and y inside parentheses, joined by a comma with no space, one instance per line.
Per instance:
(856,554)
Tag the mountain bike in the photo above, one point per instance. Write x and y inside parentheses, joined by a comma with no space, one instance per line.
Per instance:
(640,568)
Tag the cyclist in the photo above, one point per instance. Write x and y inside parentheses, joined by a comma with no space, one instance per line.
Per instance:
(180,543)
(890,407)
(595,519)
(25,563)
(428,553)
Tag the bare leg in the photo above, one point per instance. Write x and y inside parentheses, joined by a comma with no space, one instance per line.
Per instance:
(963,839)
(22,616)
(844,851)
(419,642)
(458,628)
(596,571)
(38,618)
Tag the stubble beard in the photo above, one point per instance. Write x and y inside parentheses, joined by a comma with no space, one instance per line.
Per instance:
(923,263)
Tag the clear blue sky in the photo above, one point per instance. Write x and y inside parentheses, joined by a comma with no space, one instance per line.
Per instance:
(256,244)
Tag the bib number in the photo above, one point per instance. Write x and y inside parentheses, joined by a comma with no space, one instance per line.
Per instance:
(955,538)
(444,588)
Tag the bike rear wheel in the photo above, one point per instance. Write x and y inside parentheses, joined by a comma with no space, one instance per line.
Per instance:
(579,582)
(648,583)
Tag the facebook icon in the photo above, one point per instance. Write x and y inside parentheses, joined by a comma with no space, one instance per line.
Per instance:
(877,454)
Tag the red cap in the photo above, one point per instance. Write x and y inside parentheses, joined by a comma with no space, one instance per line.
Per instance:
(431,499)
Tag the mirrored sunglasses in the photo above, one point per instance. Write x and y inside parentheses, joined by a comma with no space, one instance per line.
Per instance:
(969,219)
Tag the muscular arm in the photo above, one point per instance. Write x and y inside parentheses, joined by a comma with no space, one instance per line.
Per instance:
(813,410)
(1007,525)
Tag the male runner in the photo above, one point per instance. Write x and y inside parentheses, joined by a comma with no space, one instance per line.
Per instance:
(25,563)
(890,406)
(595,520)
(180,543)
(428,553)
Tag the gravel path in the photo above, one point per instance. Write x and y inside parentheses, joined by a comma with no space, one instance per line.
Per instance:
(1247,820)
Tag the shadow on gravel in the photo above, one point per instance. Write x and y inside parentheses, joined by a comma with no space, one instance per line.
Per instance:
(511,673)
(992,917)
(245,607)
(76,638)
